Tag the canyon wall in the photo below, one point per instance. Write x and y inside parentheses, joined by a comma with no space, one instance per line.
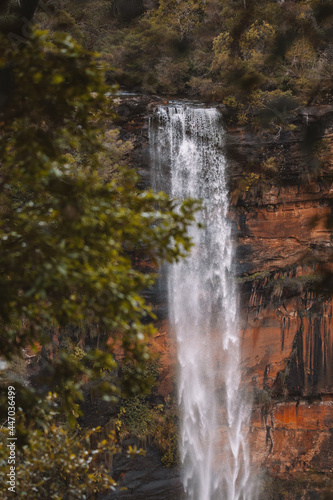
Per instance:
(283,251)
(284,247)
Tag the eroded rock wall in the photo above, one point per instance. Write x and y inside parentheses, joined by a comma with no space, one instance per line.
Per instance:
(284,244)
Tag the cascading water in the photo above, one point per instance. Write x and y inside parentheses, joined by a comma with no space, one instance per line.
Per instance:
(187,157)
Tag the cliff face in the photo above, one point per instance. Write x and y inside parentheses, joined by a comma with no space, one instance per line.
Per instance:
(283,245)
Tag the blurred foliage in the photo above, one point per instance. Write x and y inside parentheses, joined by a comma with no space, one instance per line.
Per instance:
(67,233)
(71,220)
(55,462)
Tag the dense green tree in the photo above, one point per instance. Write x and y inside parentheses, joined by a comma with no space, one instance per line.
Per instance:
(68,231)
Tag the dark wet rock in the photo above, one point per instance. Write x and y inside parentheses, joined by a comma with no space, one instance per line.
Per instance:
(145,478)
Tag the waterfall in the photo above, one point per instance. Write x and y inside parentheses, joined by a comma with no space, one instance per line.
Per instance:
(186,145)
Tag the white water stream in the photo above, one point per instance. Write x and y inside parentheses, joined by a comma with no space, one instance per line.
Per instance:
(186,145)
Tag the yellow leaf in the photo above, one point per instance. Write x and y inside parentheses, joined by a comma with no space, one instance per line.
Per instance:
(57,79)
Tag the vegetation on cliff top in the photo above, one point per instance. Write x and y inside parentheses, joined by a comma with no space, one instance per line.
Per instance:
(245,54)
